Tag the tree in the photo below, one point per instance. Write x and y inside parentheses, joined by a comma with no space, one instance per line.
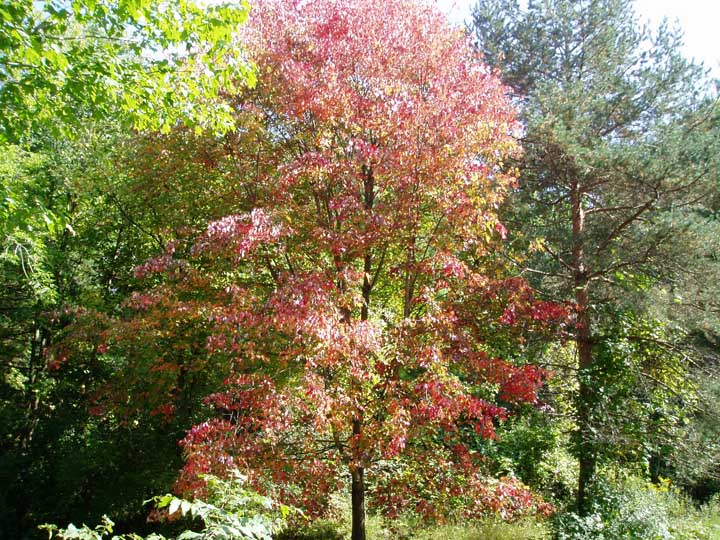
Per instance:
(72,74)
(617,136)
(83,213)
(150,63)
(60,240)
(688,300)
(345,293)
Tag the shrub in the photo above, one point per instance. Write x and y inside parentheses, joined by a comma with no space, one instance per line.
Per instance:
(632,510)
(230,512)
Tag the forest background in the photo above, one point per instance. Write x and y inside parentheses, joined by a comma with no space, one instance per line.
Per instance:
(323,245)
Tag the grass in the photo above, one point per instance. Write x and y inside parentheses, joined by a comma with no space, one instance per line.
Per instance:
(490,530)
(687,522)
(379,528)
(710,518)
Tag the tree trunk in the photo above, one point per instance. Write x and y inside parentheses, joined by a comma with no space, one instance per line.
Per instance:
(358,503)
(36,365)
(357,470)
(583,341)
(358,493)
(586,453)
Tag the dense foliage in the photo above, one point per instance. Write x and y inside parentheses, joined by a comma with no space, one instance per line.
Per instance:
(621,147)
(152,63)
(396,273)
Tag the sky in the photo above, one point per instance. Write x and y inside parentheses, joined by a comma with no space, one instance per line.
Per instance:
(699,20)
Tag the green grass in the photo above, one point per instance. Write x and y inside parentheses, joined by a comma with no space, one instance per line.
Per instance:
(490,530)
(379,528)
(710,518)
(686,521)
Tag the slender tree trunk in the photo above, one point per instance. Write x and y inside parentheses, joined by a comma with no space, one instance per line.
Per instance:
(358,503)
(357,491)
(583,340)
(366,288)
(586,454)
(35,367)
(409,285)
(357,470)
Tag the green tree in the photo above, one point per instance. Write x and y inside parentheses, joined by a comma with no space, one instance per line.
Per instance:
(688,300)
(71,229)
(82,214)
(150,63)
(617,136)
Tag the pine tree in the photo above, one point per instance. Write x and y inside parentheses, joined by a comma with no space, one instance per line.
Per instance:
(617,134)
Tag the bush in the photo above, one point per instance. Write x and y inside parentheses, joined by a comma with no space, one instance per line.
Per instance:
(558,474)
(230,512)
(632,510)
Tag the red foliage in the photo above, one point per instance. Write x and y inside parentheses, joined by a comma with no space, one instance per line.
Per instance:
(341,302)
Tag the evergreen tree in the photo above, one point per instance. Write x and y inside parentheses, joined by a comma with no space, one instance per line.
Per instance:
(618,136)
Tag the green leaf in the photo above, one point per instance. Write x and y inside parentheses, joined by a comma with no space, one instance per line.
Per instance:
(185,507)
(174,506)
(163,501)
(190,535)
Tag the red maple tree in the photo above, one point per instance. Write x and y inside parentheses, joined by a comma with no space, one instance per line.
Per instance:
(344,295)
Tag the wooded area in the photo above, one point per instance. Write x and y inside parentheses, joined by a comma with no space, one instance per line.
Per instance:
(339,269)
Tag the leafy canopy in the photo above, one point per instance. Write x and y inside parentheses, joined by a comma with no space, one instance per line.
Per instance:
(344,294)
(150,63)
